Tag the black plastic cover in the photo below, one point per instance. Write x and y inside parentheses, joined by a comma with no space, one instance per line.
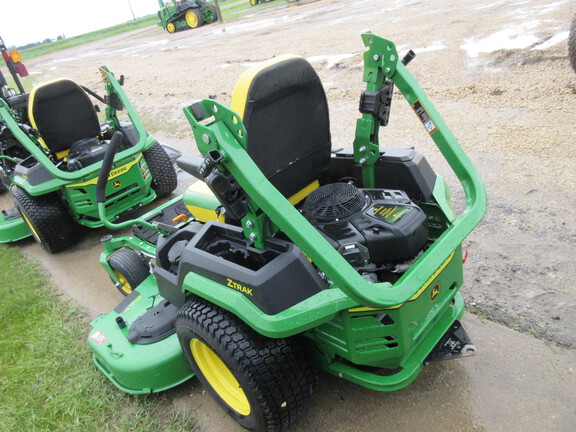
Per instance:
(397,168)
(156,324)
(274,278)
(31,170)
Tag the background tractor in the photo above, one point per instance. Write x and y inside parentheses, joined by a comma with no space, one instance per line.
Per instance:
(181,15)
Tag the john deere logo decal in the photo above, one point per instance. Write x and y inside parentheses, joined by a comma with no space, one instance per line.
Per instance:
(435,291)
(116,184)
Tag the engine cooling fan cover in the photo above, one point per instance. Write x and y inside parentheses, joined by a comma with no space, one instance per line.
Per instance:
(333,202)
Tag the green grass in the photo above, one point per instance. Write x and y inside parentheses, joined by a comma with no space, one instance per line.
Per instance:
(47,379)
(88,37)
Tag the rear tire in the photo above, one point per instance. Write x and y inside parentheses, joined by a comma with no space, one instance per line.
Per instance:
(130,268)
(572,44)
(212,10)
(254,2)
(47,218)
(263,383)
(194,18)
(164,179)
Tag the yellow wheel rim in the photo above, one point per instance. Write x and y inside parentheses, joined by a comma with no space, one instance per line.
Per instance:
(253,2)
(191,19)
(220,377)
(32,230)
(171,28)
(124,285)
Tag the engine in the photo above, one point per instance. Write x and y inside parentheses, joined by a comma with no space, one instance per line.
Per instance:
(368,227)
(85,152)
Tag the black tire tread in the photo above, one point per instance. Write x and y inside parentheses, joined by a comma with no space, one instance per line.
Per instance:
(164,179)
(130,265)
(55,228)
(214,14)
(279,369)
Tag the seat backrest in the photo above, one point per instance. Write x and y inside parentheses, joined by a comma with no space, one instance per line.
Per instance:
(283,106)
(63,114)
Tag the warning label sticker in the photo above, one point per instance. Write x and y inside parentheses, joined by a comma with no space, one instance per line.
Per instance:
(424,117)
(98,338)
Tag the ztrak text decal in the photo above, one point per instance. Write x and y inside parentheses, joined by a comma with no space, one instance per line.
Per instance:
(238,287)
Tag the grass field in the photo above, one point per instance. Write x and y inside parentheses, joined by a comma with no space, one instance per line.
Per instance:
(88,37)
(47,379)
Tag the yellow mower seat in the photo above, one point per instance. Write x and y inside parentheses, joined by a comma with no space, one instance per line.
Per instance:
(63,114)
(284,109)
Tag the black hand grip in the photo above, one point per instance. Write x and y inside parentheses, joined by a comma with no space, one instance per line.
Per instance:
(107,166)
(191,164)
(408,57)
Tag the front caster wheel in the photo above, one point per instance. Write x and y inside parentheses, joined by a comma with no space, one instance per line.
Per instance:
(130,268)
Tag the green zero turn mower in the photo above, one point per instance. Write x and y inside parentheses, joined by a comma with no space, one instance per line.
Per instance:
(288,256)
(185,14)
(51,149)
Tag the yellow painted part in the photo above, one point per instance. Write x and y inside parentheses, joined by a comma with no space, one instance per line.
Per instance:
(415,296)
(32,230)
(171,28)
(303,193)
(204,215)
(125,286)
(431,278)
(200,213)
(240,92)
(220,378)
(113,174)
(191,19)
(62,154)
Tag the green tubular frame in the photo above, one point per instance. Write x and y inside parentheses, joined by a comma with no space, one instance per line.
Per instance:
(227,134)
(62,178)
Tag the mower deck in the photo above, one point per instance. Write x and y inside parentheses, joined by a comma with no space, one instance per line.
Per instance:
(135,345)
(12,226)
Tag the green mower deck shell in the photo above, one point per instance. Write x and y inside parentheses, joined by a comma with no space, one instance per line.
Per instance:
(137,369)
(12,230)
